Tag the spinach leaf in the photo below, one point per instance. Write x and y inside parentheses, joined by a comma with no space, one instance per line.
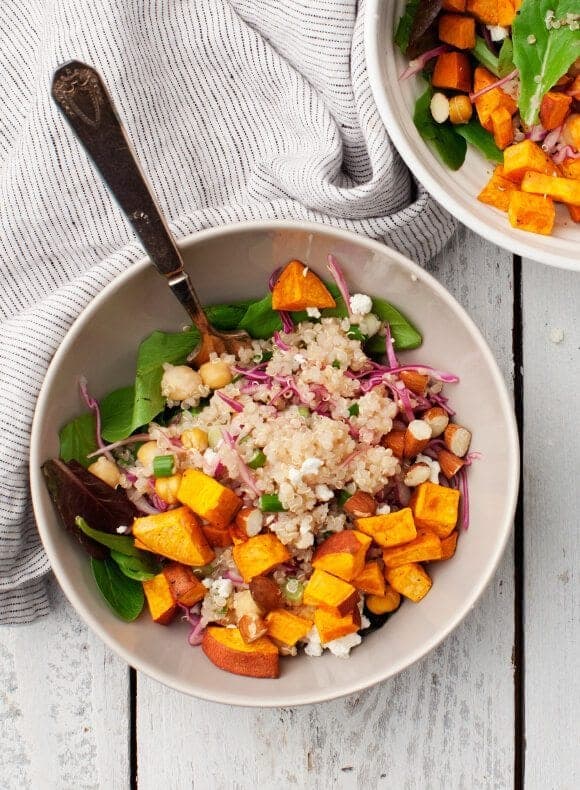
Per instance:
(485,56)
(506,58)
(260,321)
(403,31)
(125,596)
(140,568)
(475,134)
(117,414)
(405,335)
(227,316)
(549,57)
(423,35)
(78,438)
(123,544)
(448,144)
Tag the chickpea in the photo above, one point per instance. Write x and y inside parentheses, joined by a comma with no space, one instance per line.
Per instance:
(195,439)
(147,452)
(167,487)
(180,382)
(460,110)
(215,374)
(107,471)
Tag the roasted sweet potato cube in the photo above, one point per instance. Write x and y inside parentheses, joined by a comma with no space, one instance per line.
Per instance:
(221,538)
(493,12)
(208,498)
(564,190)
(410,580)
(160,599)
(497,191)
(524,156)
(227,650)
(389,529)
(331,626)
(371,579)
(286,627)
(452,71)
(383,604)
(502,128)
(457,30)
(175,534)
(554,109)
(574,213)
(426,546)
(298,287)
(259,555)
(448,545)
(533,213)
(186,587)
(342,554)
(435,508)
(453,5)
(328,592)
(571,168)
(491,101)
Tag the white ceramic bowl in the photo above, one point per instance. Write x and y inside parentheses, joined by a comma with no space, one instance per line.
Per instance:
(456,191)
(235,263)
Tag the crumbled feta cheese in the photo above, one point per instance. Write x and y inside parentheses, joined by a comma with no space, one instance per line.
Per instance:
(361,304)
(300,358)
(364,622)
(497,32)
(294,475)
(311,466)
(121,530)
(313,646)
(207,583)
(323,493)
(342,647)
(220,591)
(313,312)
(557,335)
(369,325)
(383,510)
(433,466)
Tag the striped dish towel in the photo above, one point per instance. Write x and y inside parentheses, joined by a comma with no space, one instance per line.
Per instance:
(239,109)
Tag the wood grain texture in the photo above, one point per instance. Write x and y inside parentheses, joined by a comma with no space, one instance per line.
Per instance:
(64,710)
(550,300)
(446,723)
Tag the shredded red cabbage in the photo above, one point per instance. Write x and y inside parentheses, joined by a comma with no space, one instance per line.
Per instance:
(496,84)
(464,490)
(418,64)
(93,405)
(390,349)
(245,474)
(231,402)
(287,322)
(273,277)
(280,343)
(141,502)
(536,133)
(340,280)
(551,140)
(566,152)
(137,437)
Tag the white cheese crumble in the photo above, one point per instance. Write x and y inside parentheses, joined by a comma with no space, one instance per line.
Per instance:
(497,32)
(300,358)
(122,530)
(342,647)
(383,510)
(361,304)
(369,324)
(313,312)
(220,591)
(313,646)
(323,493)
(311,466)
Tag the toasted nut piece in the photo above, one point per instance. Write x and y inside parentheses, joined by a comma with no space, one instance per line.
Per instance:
(244,604)
(417,474)
(250,520)
(360,504)
(439,107)
(416,382)
(437,419)
(195,439)
(417,438)
(395,441)
(450,464)
(215,374)
(251,628)
(457,439)
(147,452)
(167,487)
(266,593)
(460,109)
(107,471)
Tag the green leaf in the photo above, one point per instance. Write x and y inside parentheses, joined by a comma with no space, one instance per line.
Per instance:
(125,596)
(117,414)
(227,316)
(140,568)
(485,56)
(542,63)
(450,146)
(405,335)
(78,438)
(403,31)
(121,543)
(476,135)
(506,58)
(260,321)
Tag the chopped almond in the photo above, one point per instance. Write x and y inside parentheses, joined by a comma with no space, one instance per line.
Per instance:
(450,464)
(252,628)
(250,520)
(416,382)
(437,419)
(360,504)
(457,439)
(395,441)
(417,437)
(417,474)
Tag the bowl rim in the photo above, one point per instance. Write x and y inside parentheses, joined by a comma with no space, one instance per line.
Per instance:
(464,214)
(245,700)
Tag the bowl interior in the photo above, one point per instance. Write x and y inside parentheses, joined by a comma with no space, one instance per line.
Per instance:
(235,263)
(457,191)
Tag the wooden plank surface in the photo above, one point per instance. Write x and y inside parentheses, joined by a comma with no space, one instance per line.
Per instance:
(64,706)
(551,373)
(447,722)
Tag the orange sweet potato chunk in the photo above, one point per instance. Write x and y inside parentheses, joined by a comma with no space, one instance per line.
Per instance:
(502,128)
(493,12)
(574,213)
(342,554)
(497,191)
(209,499)
(524,156)
(448,545)
(227,650)
(453,5)
(298,287)
(175,534)
(554,109)
(452,71)
(185,586)
(221,538)
(491,101)
(331,626)
(457,30)
(287,627)
(328,592)
(410,580)
(435,508)
(389,529)
(533,213)
(425,547)
(571,168)
(257,556)
(564,190)
(160,599)
(371,579)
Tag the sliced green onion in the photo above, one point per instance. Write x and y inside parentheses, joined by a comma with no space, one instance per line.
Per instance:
(265,356)
(354,333)
(353,410)
(270,503)
(336,364)
(343,497)
(293,590)
(304,411)
(204,570)
(163,465)
(258,460)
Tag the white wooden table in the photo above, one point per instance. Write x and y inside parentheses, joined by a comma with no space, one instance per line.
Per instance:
(495,706)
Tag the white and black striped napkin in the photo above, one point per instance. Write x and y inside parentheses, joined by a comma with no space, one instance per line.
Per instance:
(240,109)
